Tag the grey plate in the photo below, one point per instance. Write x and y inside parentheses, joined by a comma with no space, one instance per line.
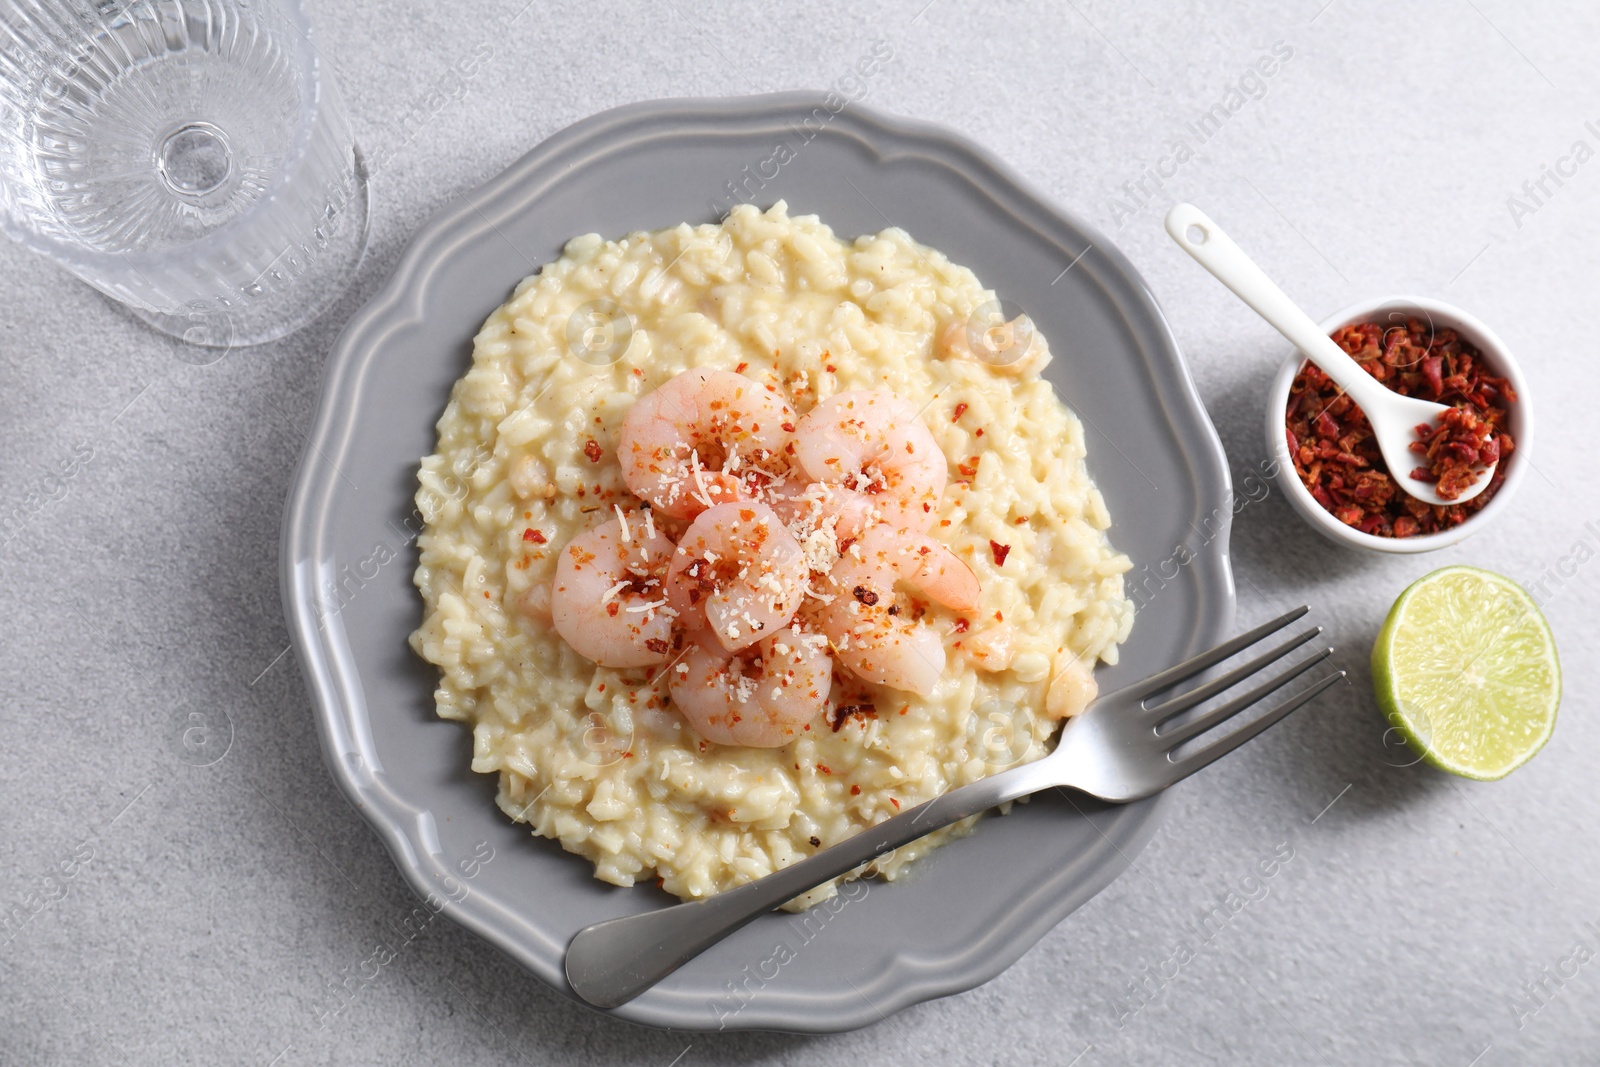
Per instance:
(348,550)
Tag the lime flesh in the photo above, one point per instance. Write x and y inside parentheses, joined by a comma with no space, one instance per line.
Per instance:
(1465,669)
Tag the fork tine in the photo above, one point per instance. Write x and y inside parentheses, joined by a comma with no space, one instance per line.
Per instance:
(1217,715)
(1200,694)
(1191,667)
(1215,751)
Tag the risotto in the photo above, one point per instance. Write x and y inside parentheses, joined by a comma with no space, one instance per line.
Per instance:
(602,758)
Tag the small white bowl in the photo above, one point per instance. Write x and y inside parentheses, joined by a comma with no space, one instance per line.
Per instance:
(1498,360)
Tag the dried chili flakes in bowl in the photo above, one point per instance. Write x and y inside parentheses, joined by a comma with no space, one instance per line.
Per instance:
(1337,457)
(1453,448)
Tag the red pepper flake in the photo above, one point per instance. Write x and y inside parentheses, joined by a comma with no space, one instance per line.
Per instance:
(740,368)
(1453,448)
(1337,457)
(536,536)
(1000,552)
(855,790)
(979,432)
(842,714)
(961,409)
(830,368)
(969,469)
(788,427)
(895,802)
(865,595)
(961,626)
(823,769)
(592,449)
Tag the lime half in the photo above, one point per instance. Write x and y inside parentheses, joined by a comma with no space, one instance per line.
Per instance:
(1465,669)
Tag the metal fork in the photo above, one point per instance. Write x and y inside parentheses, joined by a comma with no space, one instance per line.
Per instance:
(1120,749)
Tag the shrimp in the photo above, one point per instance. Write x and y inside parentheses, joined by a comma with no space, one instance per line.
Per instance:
(762,697)
(871,634)
(1006,346)
(1071,690)
(815,505)
(738,572)
(608,600)
(706,437)
(876,454)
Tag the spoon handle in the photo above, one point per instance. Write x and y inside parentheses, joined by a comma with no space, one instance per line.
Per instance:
(1215,251)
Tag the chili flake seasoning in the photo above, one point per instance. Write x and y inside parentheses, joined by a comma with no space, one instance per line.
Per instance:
(1337,457)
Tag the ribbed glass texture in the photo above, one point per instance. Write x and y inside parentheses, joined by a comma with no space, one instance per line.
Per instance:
(190,158)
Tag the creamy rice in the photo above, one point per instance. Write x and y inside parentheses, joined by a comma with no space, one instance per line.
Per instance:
(596,757)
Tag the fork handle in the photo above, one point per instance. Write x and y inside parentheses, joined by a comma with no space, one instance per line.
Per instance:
(611,962)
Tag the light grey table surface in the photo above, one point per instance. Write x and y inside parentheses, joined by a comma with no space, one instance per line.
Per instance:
(1421,919)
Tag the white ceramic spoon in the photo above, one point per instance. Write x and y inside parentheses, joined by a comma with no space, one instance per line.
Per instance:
(1394,418)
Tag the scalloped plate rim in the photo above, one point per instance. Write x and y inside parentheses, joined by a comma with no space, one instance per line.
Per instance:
(403,299)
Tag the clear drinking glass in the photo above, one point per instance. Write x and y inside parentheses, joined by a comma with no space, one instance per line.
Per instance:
(189,158)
